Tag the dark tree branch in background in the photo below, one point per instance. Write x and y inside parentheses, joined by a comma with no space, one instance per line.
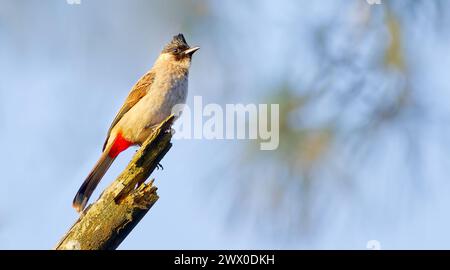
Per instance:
(108,221)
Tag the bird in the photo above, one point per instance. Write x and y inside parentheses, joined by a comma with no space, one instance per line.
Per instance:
(149,102)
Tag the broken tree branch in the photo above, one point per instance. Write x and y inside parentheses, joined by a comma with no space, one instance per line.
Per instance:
(108,221)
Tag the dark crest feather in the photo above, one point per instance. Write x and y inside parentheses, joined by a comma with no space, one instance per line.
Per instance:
(178,42)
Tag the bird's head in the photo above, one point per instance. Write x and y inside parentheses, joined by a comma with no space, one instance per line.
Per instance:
(178,50)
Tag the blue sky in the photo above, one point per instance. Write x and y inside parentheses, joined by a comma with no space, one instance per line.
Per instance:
(65,70)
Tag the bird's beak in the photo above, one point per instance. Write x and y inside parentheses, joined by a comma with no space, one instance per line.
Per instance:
(191,51)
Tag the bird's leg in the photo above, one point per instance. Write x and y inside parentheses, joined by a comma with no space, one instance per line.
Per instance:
(153,127)
(150,126)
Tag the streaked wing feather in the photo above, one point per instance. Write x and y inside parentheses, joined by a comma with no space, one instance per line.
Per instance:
(137,92)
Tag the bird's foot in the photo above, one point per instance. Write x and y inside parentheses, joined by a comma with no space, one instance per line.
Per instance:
(159,166)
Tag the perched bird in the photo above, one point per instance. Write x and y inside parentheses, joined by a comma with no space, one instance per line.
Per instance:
(149,102)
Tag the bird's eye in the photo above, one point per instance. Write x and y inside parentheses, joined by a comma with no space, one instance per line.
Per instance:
(176,51)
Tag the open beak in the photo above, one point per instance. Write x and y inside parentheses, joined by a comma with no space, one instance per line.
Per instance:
(191,51)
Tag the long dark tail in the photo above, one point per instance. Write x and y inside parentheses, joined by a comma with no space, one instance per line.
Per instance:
(91,182)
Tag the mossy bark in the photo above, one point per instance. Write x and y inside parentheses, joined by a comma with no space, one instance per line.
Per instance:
(107,222)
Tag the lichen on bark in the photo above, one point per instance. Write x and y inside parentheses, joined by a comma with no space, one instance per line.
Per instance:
(106,223)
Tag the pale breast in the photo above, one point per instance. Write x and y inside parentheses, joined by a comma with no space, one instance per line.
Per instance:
(167,90)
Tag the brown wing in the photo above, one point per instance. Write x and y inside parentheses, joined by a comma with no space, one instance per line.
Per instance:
(139,90)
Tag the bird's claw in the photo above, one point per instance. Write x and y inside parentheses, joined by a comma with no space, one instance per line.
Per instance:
(159,166)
